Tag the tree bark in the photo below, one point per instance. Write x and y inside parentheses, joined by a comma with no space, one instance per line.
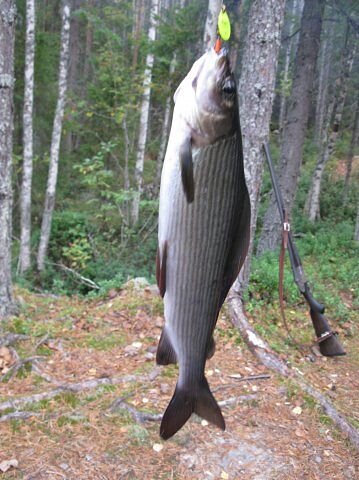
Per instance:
(328,147)
(287,58)
(256,92)
(144,117)
(25,221)
(210,28)
(324,69)
(296,122)
(7,81)
(353,145)
(55,140)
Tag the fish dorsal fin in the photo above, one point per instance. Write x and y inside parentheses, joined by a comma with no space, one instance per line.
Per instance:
(186,163)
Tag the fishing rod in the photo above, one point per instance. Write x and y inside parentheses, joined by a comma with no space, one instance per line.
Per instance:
(327,340)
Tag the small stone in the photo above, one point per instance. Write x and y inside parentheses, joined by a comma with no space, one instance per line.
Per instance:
(137,344)
(157,447)
(204,423)
(224,475)
(318,459)
(297,411)
(64,466)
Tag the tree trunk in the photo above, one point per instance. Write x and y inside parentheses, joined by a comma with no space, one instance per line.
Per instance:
(287,58)
(296,121)
(328,147)
(324,68)
(25,222)
(256,90)
(353,145)
(145,107)
(139,10)
(55,140)
(165,126)
(7,80)
(210,28)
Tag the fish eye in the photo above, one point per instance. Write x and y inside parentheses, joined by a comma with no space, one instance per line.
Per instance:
(229,86)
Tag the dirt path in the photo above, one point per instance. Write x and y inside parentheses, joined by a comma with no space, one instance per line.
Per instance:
(273,431)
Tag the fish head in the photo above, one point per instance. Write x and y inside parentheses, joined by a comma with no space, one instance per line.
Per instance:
(215,85)
(207,98)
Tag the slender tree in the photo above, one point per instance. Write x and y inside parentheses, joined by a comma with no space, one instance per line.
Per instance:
(296,121)
(7,80)
(328,146)
(324,68)
(25,222)
(210,28)
(256,93)
(353,145)
(144,116)
(56,137)
(287,58)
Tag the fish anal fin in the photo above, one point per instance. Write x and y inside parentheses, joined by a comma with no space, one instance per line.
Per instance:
(211,348)
(161,261)
(186,163)
(165,352)
(185,402)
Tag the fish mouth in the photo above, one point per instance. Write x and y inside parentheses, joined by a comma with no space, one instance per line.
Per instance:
(225,78)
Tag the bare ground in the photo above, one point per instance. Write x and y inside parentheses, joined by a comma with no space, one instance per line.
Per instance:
(273,430)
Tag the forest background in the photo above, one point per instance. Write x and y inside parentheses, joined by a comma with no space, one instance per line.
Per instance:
(96,233)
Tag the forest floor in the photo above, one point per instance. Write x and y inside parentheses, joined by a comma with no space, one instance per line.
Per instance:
(274,431)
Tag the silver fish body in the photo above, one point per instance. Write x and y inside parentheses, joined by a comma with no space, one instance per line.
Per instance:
(203,240)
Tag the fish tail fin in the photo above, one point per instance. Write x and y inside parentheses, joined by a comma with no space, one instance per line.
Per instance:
(185,402)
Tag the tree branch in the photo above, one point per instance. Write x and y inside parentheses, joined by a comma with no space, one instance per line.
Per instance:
(265,354)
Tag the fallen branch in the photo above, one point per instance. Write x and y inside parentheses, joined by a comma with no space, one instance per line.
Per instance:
(142,417)
(86,281)
(137,415)
(11,338)
(18,416)
(69,387)
(12,371)
(266,355)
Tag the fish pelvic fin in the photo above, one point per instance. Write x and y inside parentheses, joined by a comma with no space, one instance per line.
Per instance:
(186,162)
(161,262)
(185,402)
(165,352)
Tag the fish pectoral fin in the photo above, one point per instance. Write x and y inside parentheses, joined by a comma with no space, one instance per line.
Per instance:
(165,352)
(161,261)
(185,402)
(186,162)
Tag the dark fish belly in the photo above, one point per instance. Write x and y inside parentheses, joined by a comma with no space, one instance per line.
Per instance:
(199,237)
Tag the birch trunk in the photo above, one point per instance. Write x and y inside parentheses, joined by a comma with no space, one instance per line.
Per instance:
(25,221)
(328,147)
(256,91)
(55,140)
(7,81)
(145,107)
(287,58)
(296,122)
(210,28)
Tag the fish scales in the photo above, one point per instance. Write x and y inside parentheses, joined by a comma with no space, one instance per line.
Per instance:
(191,307)
(204,221)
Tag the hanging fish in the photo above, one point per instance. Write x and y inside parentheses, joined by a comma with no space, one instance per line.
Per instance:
(204,222)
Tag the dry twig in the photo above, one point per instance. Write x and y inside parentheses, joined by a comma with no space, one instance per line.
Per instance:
(11,338)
